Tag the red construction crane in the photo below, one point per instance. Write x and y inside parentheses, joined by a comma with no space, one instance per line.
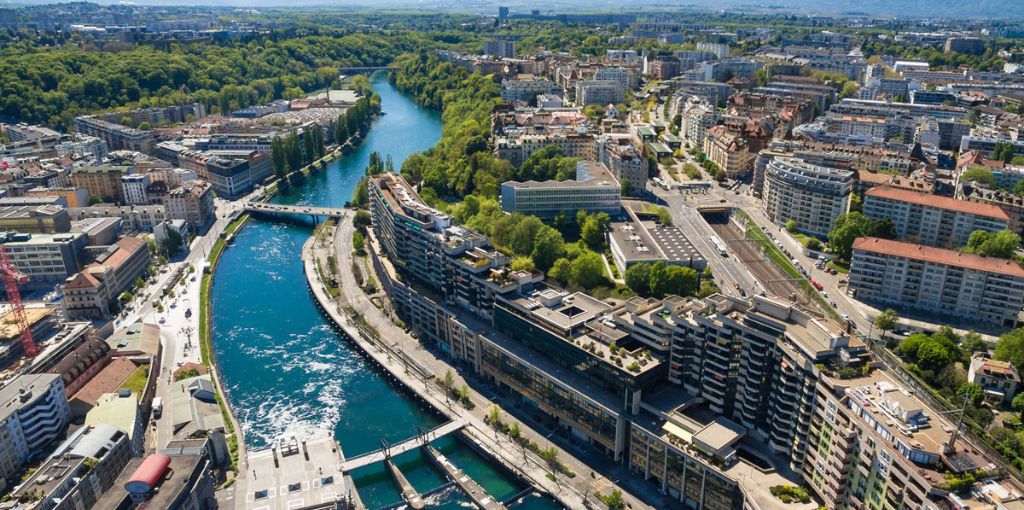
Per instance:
(12,278)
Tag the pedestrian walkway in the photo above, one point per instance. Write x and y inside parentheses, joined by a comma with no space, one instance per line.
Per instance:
(409,444)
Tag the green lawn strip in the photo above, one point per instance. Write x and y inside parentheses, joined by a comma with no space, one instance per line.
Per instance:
(205,340)
(136,383)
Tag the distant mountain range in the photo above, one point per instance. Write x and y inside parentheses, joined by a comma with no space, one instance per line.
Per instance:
(994,9)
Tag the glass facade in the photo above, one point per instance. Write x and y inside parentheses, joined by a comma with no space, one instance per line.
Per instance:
(569,406)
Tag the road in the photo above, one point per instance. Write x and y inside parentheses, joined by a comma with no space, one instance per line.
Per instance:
(730,273)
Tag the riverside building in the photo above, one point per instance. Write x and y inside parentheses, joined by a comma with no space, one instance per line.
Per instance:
(691,394)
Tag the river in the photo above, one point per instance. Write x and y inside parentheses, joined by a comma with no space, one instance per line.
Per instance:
(286,370)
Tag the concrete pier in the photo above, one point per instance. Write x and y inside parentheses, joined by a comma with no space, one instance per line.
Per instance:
(480,498)
(409,493)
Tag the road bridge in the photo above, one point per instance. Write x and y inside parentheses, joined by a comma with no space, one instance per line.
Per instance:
(366,69)
(294,210)
(409,444)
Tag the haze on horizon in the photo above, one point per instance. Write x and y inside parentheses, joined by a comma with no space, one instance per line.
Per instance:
(995,9)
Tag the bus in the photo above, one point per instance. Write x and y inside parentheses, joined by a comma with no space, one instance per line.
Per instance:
(719,245)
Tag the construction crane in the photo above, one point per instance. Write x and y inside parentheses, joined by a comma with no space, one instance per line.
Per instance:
(12,278)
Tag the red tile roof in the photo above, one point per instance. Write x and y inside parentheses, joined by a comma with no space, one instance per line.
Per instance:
(107,380)
(938,256)
(939,202)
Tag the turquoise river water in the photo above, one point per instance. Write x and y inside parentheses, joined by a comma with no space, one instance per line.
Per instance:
(288,371)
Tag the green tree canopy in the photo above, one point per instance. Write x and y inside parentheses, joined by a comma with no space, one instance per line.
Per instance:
(1002,244)
(1010,347)
(850,226)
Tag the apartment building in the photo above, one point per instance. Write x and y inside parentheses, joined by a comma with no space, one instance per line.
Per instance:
(726,69)
(47,259)
(729,150)
(102,181)
(720,50)
(93,292)
(416,237)
(33,412)
(500,47)
(684,391)
(957,285)
(133,189)
(192,202)
(116,136)
(80,470)
(136,218)
(932,220)
(594,190)
(810,194)
(518,149)
(525,88)
(626,162)
(873,444)
(72,197)
(599,92)
(697,117)
(31,219)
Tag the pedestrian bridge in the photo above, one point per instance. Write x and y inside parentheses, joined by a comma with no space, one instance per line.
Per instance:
(409,444)
(294,210)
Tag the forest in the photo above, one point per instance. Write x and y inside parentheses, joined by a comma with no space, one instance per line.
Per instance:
(52,86)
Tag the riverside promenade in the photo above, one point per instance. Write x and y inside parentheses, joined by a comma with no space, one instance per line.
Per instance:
(394,353)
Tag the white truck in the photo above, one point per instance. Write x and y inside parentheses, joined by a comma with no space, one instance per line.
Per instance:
(158,406)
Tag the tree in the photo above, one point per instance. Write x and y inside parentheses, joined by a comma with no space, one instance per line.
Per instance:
(614,500)
(1018,403)
(932,356)
(522,264)
(279,156)
(886,321)
(548,246)
(850,226)
(593,230)
(972,342)
(588,270)
(664,217)
(678,280)
(979,174)
(1010,347)
(791,225)
(172,243)
(1002,244)
(638,278)
(362,221)
(849,89)
(561,271)
(358,243)
(626,186)
(293,153)
(523,234)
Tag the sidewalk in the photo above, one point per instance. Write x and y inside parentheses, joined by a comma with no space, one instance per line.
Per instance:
(570,491)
